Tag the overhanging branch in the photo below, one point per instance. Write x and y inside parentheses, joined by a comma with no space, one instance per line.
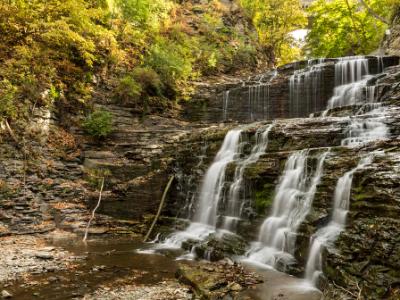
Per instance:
(373,13)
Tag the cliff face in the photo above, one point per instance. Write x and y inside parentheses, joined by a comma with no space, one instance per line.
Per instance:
(365,255)
(392,42)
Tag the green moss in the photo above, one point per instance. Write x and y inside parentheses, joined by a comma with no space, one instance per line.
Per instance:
(264,198)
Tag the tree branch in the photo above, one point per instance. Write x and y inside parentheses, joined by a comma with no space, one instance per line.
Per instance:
(373,13)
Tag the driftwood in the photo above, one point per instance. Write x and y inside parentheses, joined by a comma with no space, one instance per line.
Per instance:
(94,210)
(159,208)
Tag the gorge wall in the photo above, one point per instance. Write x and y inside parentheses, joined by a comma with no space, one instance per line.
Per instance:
(365,256)
(267,96)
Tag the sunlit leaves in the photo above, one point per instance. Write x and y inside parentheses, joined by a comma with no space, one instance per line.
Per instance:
(345,27)
(274,20)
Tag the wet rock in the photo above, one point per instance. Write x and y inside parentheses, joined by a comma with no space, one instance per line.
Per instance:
(217,280)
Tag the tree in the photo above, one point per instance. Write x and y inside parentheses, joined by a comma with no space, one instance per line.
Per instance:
(274,21)
(347,27)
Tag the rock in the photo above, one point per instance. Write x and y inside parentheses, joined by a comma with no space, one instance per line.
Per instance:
(216,280)
(235,287)
(6,295)
(44,255)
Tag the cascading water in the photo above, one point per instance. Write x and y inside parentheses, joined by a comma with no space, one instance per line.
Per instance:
(259,97)
(214,179)
(225,100)
(205,219)
(304,89)
(351,78)
(291,205)
(366,128)
(234,207)
(328,234)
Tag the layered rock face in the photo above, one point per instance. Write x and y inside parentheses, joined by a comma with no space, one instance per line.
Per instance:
(294,90)
(391,44)
(365,255)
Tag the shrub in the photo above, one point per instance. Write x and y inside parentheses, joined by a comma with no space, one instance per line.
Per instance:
(7,95)
(99,124)
(128,90)
(172,61)
(149,81)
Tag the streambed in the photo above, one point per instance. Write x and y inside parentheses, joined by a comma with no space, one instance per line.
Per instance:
(110,267)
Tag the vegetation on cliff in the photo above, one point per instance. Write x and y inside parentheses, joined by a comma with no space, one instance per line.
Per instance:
(146,51)
(146,54)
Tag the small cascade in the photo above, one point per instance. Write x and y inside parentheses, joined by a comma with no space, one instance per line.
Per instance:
(327,235)
(366,128)
(205,218)
(214,179)
(234,206)
(304,89)
(259,97)
(225,102)
(351,81)
(350,69)
(291,205)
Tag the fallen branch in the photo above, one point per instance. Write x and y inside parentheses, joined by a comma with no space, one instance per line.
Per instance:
(94,210)
(159,208)
(343,289)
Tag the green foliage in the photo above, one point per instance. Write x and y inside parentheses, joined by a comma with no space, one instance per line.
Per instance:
(274,21)
(94,177)
(99,124)
(171,60)
(149,81)
(144,13)
(264,198)
(345,27)
(7,94)
(128,90)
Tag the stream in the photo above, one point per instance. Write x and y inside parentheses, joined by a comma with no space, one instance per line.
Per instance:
(108,258)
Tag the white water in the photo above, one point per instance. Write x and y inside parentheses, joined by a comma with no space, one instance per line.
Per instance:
(304,86)
(292,202)
(234,205)
(366,128)
(328,234)
(225,102)
(210,192)
(351,77)
(205,219)
(259,97)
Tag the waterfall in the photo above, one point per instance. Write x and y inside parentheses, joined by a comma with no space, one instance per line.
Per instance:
(366,128)
(225,102)
(215,177)
(257,95)
(350,69)
(259,100)
(328,234)
(292,202)
(234,207)
(205,218)
(304,87)
(351,79)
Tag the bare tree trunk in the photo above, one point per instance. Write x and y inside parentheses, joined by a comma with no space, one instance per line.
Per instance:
(94,210)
